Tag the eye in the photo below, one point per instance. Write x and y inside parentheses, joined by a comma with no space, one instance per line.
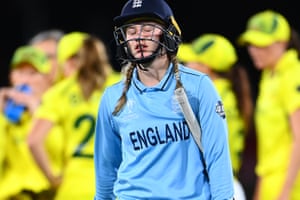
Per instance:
(130,31)
(148,28)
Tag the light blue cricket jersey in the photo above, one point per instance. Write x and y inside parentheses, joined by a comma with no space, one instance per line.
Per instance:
(147,151)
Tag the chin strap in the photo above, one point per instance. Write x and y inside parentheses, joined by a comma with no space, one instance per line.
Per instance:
(142,67)
(143,63)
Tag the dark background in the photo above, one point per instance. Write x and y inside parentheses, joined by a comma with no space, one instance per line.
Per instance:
(21,19)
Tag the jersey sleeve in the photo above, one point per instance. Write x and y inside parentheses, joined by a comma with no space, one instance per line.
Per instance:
(107,154)
(290,91)
(215,140)
(48,108)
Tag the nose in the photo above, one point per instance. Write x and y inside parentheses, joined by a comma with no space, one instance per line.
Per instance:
(25,79)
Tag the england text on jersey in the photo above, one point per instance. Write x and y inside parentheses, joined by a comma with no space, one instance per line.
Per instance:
(153,136)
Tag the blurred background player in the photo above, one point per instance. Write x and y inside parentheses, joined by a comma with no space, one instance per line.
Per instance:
(47,41)
(2,144)
(273,47)
(77,98)
(30,78)
(68,48)
(214,55)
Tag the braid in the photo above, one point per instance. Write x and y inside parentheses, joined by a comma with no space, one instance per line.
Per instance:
(176,72)
(122,100)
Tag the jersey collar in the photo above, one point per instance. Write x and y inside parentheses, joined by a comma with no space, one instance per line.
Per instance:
(161,86)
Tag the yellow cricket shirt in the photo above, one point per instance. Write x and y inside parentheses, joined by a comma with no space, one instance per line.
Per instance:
(65,105)
(21,171)
(279,97)
(236,126)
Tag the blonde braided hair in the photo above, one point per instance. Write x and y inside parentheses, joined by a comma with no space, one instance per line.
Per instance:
(122,100)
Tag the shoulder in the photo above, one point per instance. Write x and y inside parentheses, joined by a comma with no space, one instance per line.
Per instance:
(290,59)
(62,87)
(113,78)
(110,97)
(114,91)
(186,71)
(193,78)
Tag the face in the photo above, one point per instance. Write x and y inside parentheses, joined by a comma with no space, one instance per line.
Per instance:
(266,57)
(26,74)
(50,47)
(143,38)
(70,66)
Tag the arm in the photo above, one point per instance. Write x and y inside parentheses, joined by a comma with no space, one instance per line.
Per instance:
(256,189)
(294,164)
(30,101)
(3,140)
(215,142)
(39,131)
(3,96)
(107,154)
